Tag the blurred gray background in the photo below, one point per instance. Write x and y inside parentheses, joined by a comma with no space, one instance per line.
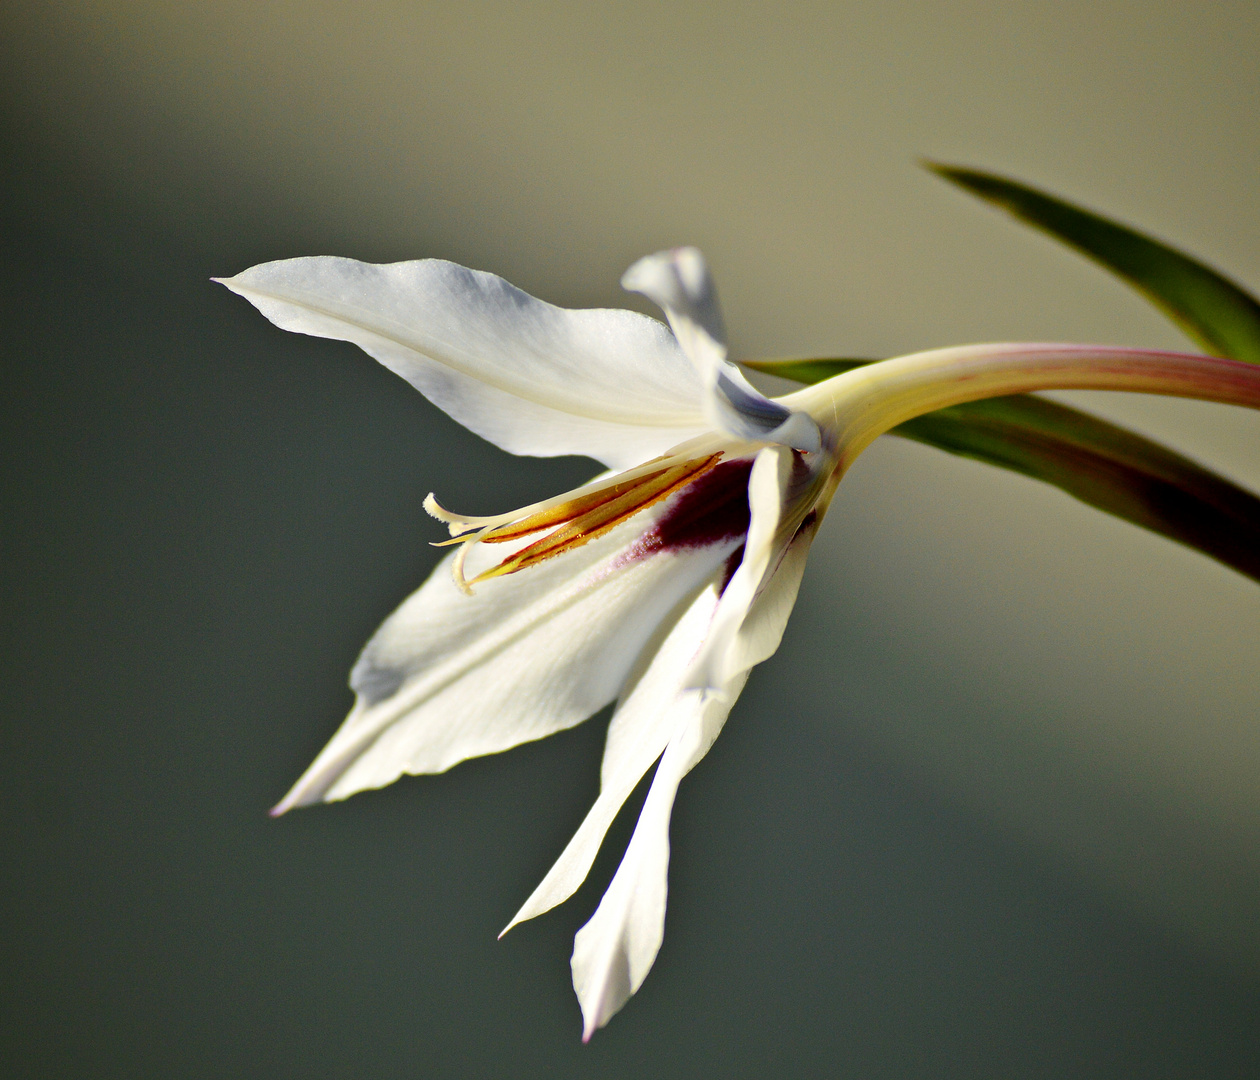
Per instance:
(994,808)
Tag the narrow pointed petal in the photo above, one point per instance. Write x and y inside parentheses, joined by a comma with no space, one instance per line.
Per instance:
(640,729)
(614,951)
(680,283)
(450,676)
(528,376)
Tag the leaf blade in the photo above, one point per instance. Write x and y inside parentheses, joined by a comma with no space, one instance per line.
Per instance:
(1212,310)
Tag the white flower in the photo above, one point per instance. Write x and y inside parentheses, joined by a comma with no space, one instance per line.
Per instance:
(658,585)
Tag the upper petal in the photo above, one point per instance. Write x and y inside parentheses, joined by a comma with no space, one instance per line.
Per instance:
(679,281)
(530,377)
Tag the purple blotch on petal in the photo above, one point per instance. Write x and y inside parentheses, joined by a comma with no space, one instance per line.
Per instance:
(732,564)
(712,510)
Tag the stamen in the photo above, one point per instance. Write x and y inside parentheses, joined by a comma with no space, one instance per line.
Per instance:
(573,520)
(434,509)
(581,504)
(457,570)
(591,517)
(462,524)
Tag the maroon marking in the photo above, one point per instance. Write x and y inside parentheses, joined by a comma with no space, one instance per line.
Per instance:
(737,556)
(709,511)
(732,564)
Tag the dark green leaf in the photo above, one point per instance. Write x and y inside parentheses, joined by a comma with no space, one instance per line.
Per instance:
(1215,312)
(1101,464)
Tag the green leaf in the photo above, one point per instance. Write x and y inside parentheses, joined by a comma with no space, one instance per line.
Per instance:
(1102,465)
(1219,315)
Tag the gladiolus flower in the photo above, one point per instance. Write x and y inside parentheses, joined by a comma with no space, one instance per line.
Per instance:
(659,584)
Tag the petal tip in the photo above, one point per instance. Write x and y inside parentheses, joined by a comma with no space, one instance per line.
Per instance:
(676,278)
(298,796)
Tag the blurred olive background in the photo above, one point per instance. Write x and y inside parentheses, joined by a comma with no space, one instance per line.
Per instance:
(994,808)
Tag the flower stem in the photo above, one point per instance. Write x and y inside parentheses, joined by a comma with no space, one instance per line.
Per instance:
(861,404)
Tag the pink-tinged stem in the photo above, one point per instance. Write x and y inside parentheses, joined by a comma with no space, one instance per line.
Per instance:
(856,407)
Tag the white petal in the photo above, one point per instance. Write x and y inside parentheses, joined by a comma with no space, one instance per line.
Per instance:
(649,712)
(762,629)
(768,491)
(680,283)
(614,951)
(644,722)
(530,377)
(450,676)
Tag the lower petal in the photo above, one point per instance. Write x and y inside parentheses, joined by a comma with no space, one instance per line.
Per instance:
(646,719)
(614,951)
(449,676)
